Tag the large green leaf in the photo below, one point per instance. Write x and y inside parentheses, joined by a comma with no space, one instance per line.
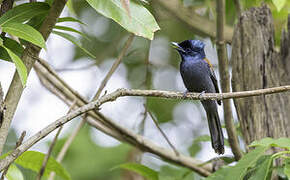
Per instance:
(262,172)
(287,168)
(24,12)
(13,45)
(238,171)
(33,160)
(25,32)
(14,173)
(281,142)
(74,41)
(21,68)
(140,22)
(150,174)
(65,28)
(69,19)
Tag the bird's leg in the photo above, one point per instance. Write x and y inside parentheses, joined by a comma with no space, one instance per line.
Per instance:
(201,94)
(185,94)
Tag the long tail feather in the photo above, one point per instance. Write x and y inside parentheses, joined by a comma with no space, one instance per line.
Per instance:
(217,137)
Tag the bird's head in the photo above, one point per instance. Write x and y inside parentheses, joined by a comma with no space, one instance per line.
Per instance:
(193,48)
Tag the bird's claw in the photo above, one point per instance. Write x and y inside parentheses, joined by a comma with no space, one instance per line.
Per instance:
(185,94)
(201,94)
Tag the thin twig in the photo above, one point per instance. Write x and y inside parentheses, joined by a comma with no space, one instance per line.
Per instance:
(61,89)
(46,158)
(114,66)
(15,89)
(144,145)
(67,144)
(77,68)
(225,79)
(238,7)
(17,144)
(163,134)
(147,82)
(2,105)
(102,86)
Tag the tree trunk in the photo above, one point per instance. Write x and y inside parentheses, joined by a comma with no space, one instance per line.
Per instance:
(257,65)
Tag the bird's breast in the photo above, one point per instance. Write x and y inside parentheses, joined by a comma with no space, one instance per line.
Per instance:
(195,76)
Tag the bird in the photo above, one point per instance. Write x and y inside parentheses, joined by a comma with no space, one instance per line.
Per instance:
(198,76)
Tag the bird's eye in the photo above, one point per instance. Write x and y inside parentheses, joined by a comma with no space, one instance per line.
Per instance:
(187,50)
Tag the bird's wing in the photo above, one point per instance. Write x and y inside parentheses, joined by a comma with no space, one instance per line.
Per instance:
(213,78)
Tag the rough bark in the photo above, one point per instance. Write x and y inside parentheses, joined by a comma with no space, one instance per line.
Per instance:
(255,65)
(1,104)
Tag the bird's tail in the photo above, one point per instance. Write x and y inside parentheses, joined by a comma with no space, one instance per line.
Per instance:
(216,133)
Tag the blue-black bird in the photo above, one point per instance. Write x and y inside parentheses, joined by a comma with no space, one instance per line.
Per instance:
(198,76)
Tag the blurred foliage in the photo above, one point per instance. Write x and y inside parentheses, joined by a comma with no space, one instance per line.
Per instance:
(85,160)
(257,164)
(176,173)
(104,39)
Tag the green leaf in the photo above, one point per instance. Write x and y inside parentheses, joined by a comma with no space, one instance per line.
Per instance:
(24,12)
(281,142)
(33,160)
(262,171)
(14,173)
(279,4)
(74,41)
(220,174)
(65,28)
(70,6)
(37,21)
(248,160)
(13,45)
(21,68)
(287,168)
(141,22)
(1,41)
(150,174)
(25,32)
(238,171)
(69,19)
(263,142)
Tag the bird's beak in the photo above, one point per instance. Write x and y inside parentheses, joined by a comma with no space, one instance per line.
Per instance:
(176,46)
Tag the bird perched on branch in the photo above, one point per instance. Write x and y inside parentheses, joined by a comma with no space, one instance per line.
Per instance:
(198,76)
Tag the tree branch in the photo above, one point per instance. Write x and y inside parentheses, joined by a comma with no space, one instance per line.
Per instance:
(2,105)
(238,7)
(18,143)
(15,89)
(114,66)
(163,134)
(67,144)
(140,142)
(102,86)
(225,79)
(44,162)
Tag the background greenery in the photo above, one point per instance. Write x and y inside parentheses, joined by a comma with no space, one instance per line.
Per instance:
(101,39)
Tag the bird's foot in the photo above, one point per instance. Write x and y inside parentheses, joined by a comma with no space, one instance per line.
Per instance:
(185,94)
(201,94)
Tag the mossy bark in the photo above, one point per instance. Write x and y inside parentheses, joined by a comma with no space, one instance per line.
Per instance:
(256,65)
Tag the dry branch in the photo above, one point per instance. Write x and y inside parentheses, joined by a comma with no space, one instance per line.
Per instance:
(225,79)
(29,56)
(139,141)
